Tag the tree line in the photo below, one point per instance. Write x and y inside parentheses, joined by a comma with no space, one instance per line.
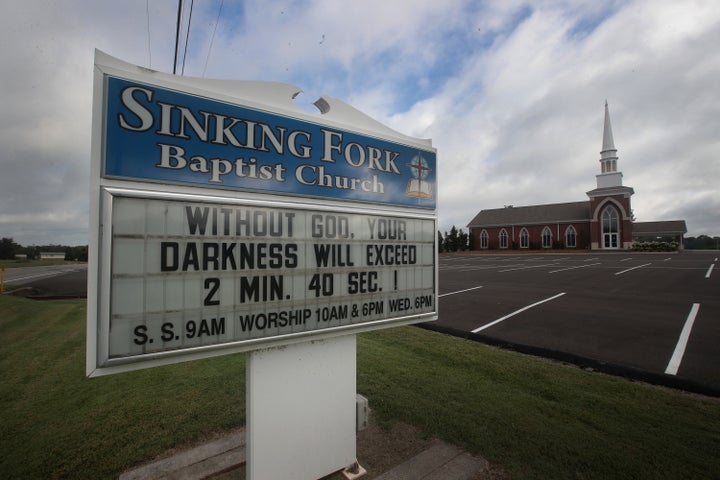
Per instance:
(9,250)
(702,242)
(455,241)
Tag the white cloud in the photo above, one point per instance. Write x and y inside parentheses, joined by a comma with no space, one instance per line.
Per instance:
(511,92)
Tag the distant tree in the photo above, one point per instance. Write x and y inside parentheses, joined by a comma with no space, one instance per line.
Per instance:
(78,254)
(462,240)
(452,240)
(8,248)
(440,242)
(702,242)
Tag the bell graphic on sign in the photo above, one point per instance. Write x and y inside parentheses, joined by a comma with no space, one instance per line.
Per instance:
(417,187)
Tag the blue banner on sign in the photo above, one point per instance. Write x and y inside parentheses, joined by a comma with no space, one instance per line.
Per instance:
(161,135)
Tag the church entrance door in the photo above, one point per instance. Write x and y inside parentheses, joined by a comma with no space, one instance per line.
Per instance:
(610,228)
(610,240)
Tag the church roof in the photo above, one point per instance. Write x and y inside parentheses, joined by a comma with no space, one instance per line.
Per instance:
(532,214)
(659,228)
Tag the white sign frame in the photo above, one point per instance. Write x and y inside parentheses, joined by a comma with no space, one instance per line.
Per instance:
(109,194)
(103,188)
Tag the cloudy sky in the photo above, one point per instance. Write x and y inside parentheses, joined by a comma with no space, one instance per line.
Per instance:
(511,92)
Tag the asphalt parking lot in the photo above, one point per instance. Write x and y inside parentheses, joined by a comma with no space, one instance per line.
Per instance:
(652,316)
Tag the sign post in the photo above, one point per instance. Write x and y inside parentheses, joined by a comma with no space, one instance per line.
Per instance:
(225,219)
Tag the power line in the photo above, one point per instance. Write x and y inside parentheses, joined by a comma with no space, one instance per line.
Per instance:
(147,11)
(187,36)
(212,38)
(177,35)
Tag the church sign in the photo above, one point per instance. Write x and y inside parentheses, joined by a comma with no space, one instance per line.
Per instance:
(163,135)
(221,224)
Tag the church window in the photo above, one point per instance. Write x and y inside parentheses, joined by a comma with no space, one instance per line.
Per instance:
(503,238)
(484,239)
(570,237)
(524,238)
(547,237)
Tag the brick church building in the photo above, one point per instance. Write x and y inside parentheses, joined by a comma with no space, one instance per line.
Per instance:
(604,221)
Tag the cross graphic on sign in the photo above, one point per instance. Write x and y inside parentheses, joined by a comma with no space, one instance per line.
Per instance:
(415,187)
(419,167)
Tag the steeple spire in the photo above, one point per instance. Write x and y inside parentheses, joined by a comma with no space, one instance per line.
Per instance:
(608,154)
(609,175)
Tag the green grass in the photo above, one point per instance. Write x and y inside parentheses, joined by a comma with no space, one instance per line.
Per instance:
(56,423)
(535,418)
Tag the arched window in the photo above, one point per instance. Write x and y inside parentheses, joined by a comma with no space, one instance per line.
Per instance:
(484,240)
(503,238)
(610,227)
(547,237)
(524,238)
(570,237)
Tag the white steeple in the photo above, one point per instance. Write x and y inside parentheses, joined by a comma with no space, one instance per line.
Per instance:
(609,175)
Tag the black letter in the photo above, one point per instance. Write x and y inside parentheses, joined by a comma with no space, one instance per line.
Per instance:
(171,266)
(141,335)
(167,332)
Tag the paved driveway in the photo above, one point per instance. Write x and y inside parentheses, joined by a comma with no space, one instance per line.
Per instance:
(49,281)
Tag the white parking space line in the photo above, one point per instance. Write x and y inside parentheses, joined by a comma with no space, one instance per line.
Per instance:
(667,259)
(709,271)
(677,356)
(633,268)
(533,266)
(495,322)
(626,259)
(573,268)
(590,259)
(459,291)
